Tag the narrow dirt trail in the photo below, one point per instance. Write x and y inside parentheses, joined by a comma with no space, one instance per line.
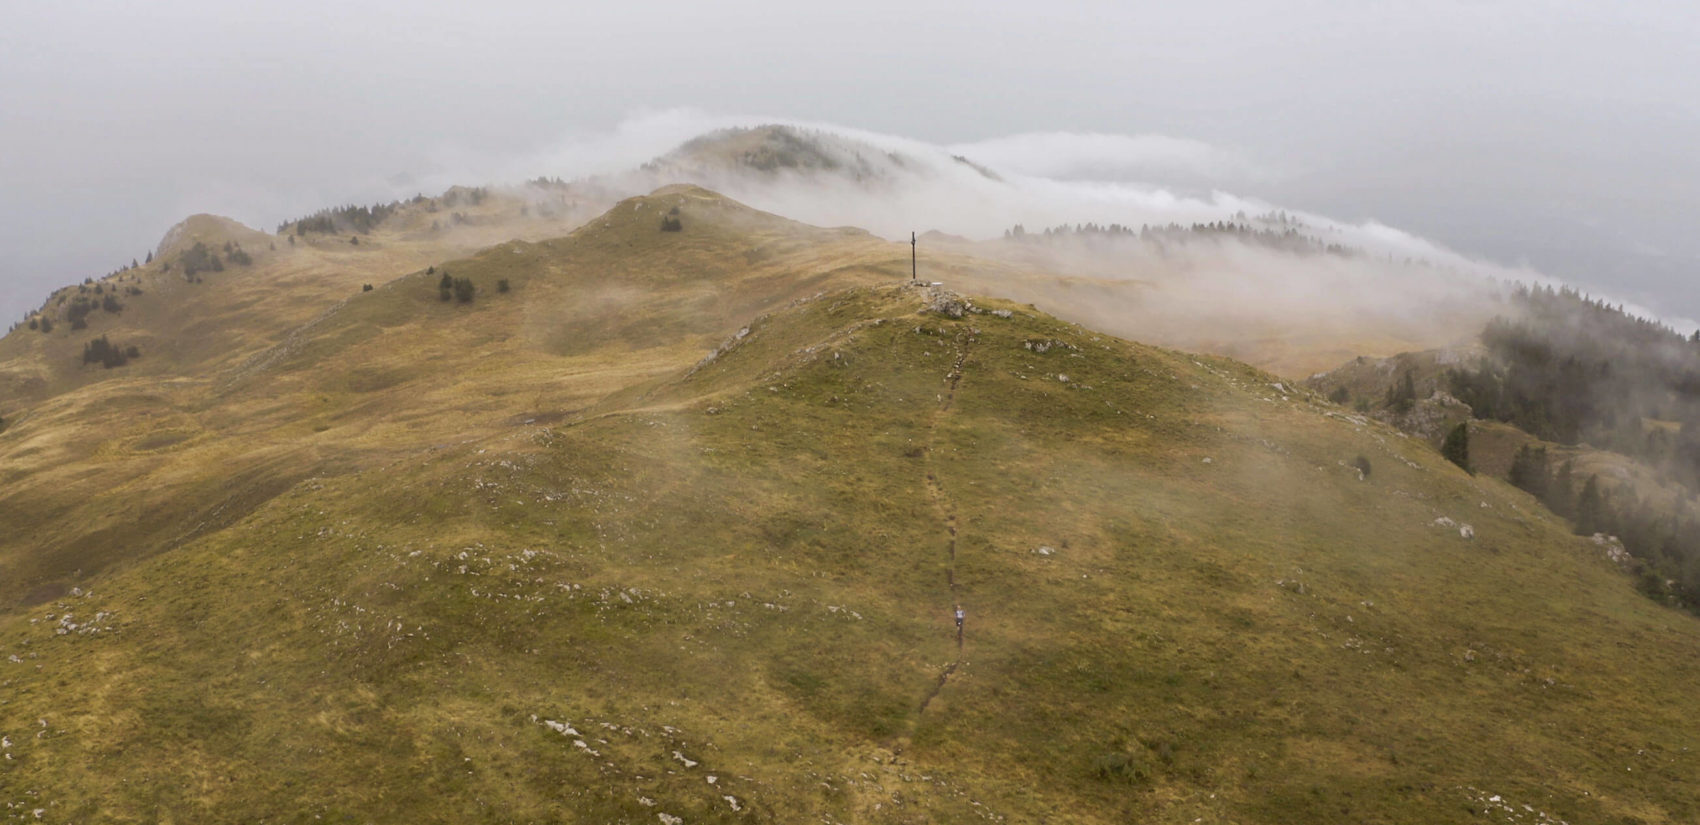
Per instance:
(942,502)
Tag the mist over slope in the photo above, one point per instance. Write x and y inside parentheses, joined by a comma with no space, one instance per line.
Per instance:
(1192,283)
(669,514)
(527,569)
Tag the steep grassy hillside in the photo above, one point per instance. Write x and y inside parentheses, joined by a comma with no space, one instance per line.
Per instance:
(108,465)
(589,581)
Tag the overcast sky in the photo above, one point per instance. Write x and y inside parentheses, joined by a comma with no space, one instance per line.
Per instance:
(1564,134)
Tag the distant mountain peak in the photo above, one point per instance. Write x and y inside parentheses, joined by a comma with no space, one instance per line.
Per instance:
(212,230)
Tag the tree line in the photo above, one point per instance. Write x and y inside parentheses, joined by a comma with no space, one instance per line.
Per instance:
(1662,537)
(1573,370)
(1569,369)
(1290,238)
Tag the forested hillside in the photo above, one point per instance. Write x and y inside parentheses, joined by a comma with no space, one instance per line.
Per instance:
(1572,370)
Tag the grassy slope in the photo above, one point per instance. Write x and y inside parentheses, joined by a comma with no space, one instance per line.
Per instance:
(310,376)
(743,571)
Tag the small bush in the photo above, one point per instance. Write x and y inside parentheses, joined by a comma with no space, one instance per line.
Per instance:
(502,285)
(1340,395)
(1118,766)
(107,354)
(46,324)
(464,290)
(365,287)
(1363,467)
(199,258)
(79,311)
(671,224)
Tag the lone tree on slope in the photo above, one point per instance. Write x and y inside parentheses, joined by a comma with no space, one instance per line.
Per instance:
(1456,449)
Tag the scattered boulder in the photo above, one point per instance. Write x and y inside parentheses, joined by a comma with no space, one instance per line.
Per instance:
(945,302)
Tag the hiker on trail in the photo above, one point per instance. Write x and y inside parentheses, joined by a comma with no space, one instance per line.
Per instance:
(959,615)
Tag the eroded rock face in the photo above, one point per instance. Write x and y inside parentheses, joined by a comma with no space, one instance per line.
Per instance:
(1430,418)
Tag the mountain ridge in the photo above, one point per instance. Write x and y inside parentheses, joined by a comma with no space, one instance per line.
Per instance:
(694,505)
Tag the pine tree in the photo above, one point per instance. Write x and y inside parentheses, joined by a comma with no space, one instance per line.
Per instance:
(1590,508)
(1561,492)
(1456,449)
(1402,395)
(1530,472)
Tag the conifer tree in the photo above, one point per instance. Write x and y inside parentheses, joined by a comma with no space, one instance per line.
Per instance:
(1561,493)
(1529,471)
(1456,449)
(1590,508)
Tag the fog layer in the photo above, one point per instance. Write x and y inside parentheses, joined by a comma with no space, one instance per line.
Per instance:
(1557,133)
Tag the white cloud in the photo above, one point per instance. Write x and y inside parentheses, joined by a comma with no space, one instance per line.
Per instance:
(1094,156)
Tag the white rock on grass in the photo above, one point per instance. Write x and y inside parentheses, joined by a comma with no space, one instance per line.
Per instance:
(1466,531)
(669,819)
